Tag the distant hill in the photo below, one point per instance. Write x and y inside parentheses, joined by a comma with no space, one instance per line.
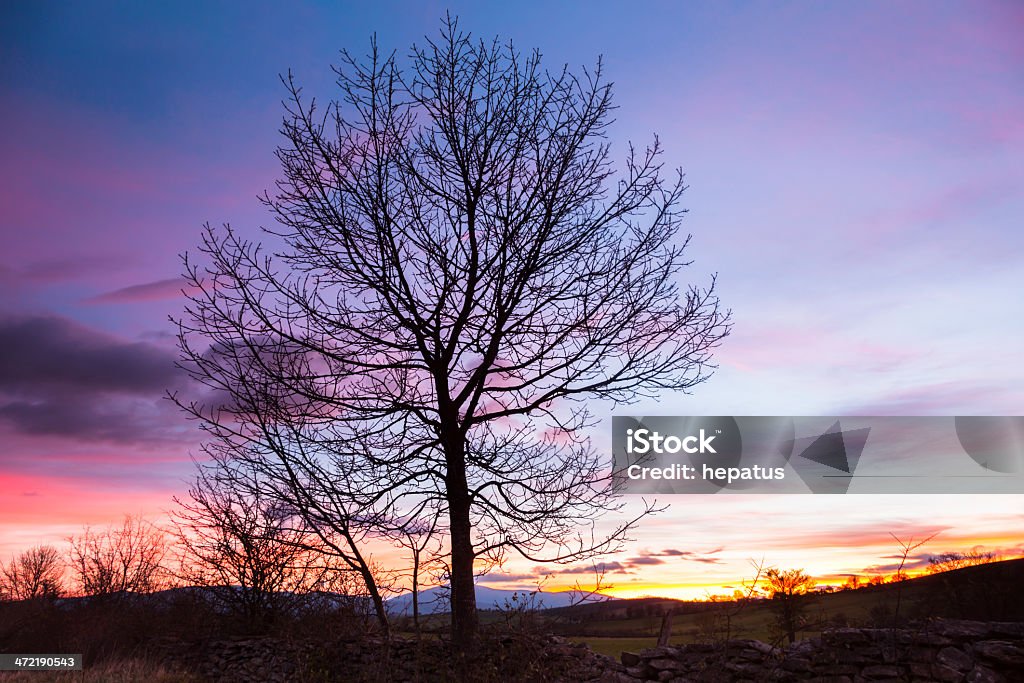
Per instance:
(993,591)
(435,600)
(987,592)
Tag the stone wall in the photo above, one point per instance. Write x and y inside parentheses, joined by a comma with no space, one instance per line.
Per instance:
(944,651)
(368,659)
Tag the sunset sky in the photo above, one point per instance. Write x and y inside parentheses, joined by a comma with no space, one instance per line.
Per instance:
(856,176)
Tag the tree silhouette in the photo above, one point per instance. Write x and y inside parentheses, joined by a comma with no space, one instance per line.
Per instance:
(460,267)
(254,557)
(119,560)
(34,573)
(788,590)
(953,560)
(906,547)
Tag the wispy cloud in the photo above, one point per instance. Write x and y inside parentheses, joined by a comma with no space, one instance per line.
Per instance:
(171,288)
(935,399)
(688,555)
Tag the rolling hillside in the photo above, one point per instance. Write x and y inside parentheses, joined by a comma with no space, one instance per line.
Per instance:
(435,600)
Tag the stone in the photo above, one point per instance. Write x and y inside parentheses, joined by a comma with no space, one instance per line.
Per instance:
(981,674)
(840,670)
(763,648)
(845,636)
(954,659)
(1000,652)
(881,671)
(857,656)
(961,630)
(1008,629)
(931,639)
(796,664)
(665,663)
(920,670)
(941,672)
(921,654)
(890,653)
(629,659)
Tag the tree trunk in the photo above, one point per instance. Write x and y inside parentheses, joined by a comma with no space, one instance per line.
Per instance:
(416,590)
(378,602)
(463,589)
(463,598)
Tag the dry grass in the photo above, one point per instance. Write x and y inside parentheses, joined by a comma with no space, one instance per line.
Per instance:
(127,671)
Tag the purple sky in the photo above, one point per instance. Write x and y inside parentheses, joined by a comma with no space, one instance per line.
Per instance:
(856,180)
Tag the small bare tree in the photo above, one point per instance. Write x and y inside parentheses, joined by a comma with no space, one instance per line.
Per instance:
(425,550)
(788,590)
(906,547)
(252,555)
(120,560)
(35,573)
(718,623)
(953,560)
(853,582)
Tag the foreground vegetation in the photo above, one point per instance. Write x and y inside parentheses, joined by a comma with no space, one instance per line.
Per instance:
(126,637)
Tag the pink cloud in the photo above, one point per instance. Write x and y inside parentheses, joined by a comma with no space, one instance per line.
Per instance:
(760,346)
(160,290)
(875,535)
(953,397)
(949,205)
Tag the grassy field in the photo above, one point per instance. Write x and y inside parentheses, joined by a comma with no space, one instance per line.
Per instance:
(871,606)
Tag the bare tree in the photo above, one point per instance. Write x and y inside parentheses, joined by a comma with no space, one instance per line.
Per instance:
(788,590)
(36,573)
(906,547)
(718,623)
(119,560)
(251,554)
(425,550)
(584,592)
(953,560)
(461,267)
